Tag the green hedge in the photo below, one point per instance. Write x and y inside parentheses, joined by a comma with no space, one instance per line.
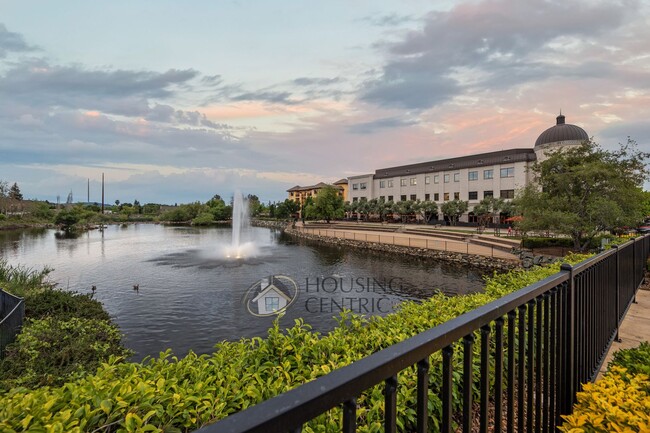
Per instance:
(170,394)
(620,401)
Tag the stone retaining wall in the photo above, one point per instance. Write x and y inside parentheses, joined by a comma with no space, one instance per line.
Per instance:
(469,259)
(271,224)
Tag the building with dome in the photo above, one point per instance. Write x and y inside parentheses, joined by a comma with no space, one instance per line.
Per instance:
(470,178)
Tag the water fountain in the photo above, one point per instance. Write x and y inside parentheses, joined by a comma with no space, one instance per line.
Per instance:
(240,248)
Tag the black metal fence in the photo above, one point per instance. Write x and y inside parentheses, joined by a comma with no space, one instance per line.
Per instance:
(12,312)
(512,365)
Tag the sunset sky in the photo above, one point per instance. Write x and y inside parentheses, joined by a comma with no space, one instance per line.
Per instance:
(178,101)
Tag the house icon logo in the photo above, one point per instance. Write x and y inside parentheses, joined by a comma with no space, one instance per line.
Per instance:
(270,295)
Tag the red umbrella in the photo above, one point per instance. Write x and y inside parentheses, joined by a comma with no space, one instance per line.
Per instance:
(515,218)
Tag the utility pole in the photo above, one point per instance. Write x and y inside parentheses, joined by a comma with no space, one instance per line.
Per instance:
(88,200)
(102,193)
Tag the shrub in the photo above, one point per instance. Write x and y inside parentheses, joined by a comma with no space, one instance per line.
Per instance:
(617,402)
(3,217)
(19,279)
(547,242)
(50,351)
(182,394)
(635,361)
(62,305)
(203,219)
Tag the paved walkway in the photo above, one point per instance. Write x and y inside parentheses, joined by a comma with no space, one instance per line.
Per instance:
(634,329)
(410,240)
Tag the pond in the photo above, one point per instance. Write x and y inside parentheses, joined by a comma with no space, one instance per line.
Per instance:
(190,296)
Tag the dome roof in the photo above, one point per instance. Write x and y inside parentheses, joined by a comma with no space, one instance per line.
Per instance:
(561,132)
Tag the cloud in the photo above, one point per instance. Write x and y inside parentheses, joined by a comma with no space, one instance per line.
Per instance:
(307,81)
(12,42)
(272,97)
(388,20)
(379,124)
(475,46)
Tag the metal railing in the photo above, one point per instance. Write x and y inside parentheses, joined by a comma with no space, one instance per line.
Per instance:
(12,312)
(535,348)
(404,240)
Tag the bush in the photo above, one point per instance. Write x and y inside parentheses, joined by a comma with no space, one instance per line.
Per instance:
(51,351)
(203,219)
(63,305)
(617,402)
(183,394)
(3,217)
(635,361)
(547,242)
(19,280)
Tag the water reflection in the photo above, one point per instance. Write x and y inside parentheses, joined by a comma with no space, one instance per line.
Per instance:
(190,298)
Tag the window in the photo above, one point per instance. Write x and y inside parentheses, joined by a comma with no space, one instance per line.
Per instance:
(427,197)
(382,184)
(436,179)
(456,177)
(488,174)
(446,196)
(363,199)
(355,186)
(436,196)
(473,195)
(414,197)
(456,196)
(487,194)
(390,184)
(403,197)
(390,198)
(355,199)
(382,198)
(402,182)
(427,180)
(507,193)
(272,303)
(446,178)
(414,181)
(508,172)
(472,175)
(362,185)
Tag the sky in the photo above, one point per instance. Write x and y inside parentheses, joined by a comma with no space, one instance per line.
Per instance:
(178,101)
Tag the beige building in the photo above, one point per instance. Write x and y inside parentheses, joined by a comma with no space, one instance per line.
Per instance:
(301,193)
(470,178)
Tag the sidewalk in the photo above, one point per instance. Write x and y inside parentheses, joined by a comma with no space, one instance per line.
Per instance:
(635,327)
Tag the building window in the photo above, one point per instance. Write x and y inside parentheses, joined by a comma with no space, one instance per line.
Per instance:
(436,196)
(473,195)
(456,196)
(414,197)
(355,186)
(456,177)
(363,199)
(508,172)
(390,198)
(382,184)
(472,175)
(436,179)
(487,194)
(362,185)
(382,198)
(488,174)
(427,197)
(272,303)
(446,178)
(507,193)
(402,182)
(403,197)
(354,199)
(446,196)
(414,181)
(427,180)
(390,184)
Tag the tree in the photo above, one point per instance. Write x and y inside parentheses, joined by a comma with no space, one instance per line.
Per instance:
(254,206)
(67,218)
(427,209)
(327,205)
(585,190)
(14,192)
(488,209)
(453,210)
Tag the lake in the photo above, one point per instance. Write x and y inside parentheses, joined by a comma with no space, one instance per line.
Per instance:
(191,296)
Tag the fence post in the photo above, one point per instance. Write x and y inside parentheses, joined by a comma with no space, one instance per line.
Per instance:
(635,286)
(618,292)
(570,351)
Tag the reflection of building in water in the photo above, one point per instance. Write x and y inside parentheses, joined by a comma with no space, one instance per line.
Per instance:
(273,296)
(470,178)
